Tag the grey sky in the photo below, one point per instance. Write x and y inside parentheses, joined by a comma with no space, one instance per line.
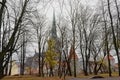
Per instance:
(48,7)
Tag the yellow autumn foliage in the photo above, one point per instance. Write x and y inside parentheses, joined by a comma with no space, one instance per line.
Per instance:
(51,54)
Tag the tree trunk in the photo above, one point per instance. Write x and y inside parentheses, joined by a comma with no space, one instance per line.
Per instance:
(117,44)
(23,51)
(67,60)
(2,56)
(86,56)
(51,72)
(95,68)
(10,67)
(74,65)
(59,68)
(1,66)
(39,61)
(114,37)
(42,72)
(11,41)
(3,3)
(69,68)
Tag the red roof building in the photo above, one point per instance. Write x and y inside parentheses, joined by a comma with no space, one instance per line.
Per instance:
(72,53)
(110,57)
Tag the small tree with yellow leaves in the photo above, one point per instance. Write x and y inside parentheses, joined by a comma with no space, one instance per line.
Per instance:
(50,56)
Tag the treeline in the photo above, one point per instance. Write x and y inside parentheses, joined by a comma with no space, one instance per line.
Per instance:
(81,27)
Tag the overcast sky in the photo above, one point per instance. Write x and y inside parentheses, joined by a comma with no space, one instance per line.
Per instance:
(48,10)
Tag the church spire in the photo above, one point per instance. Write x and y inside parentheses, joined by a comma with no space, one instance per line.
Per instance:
(53,30)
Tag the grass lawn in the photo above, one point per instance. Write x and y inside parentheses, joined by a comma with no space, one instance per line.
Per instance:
(29,77)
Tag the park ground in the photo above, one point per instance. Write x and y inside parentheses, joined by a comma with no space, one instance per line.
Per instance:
(81,77)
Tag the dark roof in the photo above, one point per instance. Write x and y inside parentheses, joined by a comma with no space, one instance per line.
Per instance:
(29,61)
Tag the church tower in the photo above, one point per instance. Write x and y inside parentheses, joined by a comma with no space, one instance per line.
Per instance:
(51,55)
(53,30)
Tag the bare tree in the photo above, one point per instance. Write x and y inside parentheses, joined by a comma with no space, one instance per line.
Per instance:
(106,38)
(9,46)
(2,8)
(73,5)
(113,33)
(82,27)
(39,27)
(64,60)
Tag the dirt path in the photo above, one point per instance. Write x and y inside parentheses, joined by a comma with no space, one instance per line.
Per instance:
(112,78)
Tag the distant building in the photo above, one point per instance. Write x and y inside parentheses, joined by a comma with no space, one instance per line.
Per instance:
(15,70)
(71,57)
(112,61)
(116,67)
(32,65)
